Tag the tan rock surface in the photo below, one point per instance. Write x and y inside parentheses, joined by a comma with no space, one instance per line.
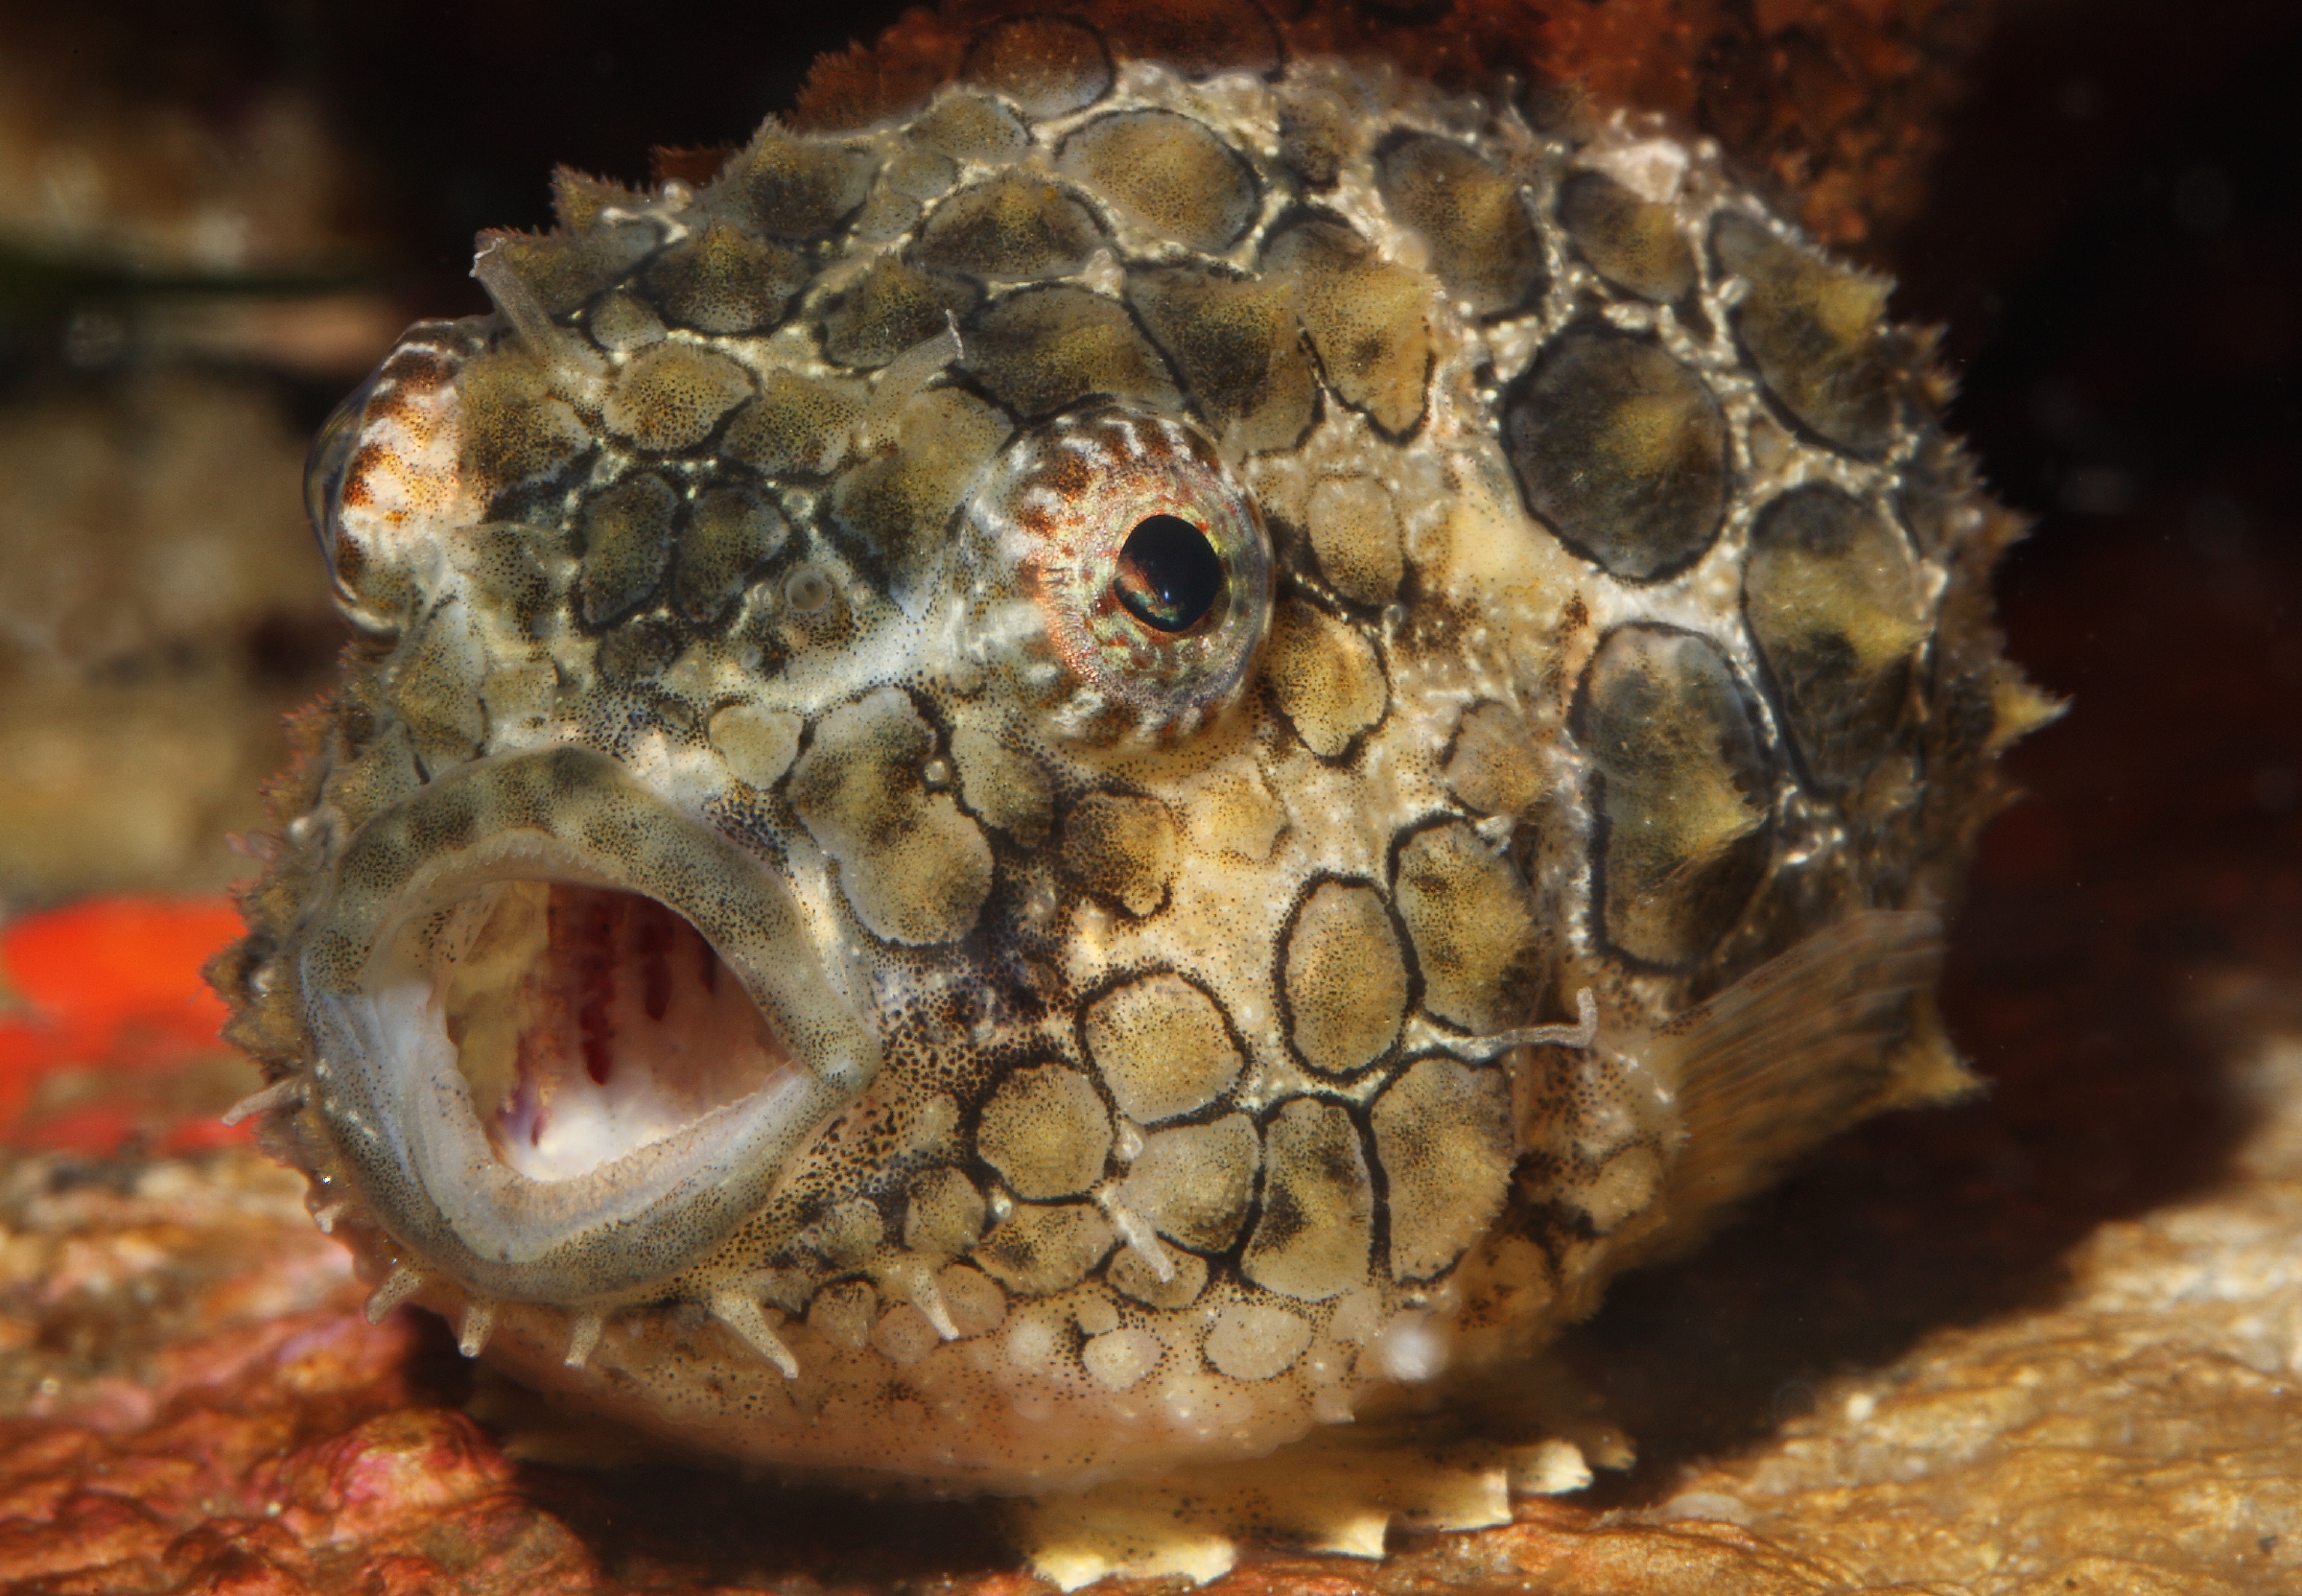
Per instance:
(2139,1433)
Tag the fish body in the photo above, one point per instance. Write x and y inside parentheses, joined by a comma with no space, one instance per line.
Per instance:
(1121,766)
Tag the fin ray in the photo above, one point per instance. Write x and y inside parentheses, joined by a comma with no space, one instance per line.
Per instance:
(1795,1051)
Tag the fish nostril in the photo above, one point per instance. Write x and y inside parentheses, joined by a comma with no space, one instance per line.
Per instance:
(1169,576)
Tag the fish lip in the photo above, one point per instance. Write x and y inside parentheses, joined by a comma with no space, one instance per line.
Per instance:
(387,1088)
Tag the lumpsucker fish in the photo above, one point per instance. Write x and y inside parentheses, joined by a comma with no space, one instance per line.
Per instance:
(1145,759)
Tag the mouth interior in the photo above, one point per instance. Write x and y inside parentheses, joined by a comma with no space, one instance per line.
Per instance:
(589,1022)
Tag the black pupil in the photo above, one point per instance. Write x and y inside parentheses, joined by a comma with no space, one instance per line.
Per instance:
(1168,574)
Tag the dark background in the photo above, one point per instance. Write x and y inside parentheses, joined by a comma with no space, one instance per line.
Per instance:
(2113,239)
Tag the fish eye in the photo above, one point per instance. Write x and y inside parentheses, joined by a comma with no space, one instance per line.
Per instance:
(1123,571)
(324,468)
(1169,574)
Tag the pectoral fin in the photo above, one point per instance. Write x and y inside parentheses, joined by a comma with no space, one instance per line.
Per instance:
(1840,1026)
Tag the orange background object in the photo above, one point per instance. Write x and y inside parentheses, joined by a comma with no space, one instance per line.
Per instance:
(108,1034)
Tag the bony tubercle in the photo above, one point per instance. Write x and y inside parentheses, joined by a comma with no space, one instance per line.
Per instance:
(1075,786)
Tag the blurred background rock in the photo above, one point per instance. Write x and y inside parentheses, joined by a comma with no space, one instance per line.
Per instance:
(185,267)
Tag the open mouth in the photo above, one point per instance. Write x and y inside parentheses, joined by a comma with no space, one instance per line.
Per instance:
(569,1036)
(589,1022)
